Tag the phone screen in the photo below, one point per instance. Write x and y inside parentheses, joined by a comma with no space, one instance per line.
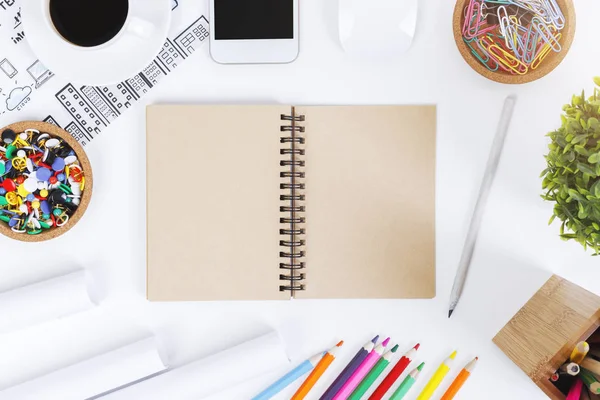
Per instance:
(254,19)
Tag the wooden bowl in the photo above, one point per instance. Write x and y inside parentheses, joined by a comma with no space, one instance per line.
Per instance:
(54,232)
(547,66)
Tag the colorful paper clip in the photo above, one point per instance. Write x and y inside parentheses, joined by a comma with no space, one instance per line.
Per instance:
(515,36)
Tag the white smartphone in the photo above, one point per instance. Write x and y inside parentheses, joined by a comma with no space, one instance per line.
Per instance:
(254,31)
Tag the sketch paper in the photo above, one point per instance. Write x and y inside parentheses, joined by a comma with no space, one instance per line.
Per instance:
(29,91)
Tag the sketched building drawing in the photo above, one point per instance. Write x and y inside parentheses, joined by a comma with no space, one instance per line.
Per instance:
(83,112)
(189,40)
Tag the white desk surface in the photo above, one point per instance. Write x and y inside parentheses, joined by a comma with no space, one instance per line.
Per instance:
(515,254)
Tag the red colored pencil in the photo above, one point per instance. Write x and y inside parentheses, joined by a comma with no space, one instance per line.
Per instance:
(398,369)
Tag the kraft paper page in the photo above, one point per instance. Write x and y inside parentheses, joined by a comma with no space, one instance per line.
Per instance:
(370,202)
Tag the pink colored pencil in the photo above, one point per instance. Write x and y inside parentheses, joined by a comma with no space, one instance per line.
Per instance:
(361,371)
(575,392)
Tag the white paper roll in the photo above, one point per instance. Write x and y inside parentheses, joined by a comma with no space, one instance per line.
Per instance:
(44,301)
(95,377)
(213,374)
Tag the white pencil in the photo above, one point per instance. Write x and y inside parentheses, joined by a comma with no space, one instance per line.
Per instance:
(484,192)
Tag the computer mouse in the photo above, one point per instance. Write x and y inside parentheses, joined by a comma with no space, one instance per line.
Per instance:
(377,28)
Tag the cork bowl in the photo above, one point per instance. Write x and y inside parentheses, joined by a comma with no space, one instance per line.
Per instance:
(86,195)
(548,65)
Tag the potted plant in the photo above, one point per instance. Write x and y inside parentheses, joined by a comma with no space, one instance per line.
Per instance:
(572,179)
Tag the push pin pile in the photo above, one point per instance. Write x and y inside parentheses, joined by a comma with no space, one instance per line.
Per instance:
(41,181)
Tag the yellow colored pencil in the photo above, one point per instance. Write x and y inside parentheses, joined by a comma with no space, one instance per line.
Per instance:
(437,378)
(579,352)
(316,373)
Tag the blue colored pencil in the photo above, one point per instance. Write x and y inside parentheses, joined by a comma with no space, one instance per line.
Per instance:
(349,370)
(289,378)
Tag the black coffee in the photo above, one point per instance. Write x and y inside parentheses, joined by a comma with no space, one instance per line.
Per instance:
(88,23)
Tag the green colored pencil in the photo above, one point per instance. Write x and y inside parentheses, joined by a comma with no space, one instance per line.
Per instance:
(590,380)
(407,383)
(373,374)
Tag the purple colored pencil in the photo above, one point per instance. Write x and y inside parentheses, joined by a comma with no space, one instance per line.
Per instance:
(349,370)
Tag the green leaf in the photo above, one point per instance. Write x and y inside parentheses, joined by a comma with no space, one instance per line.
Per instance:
(576,100)
(594,158)
(597,80)
(575,195)
(579,138)
(582,211)
(567,236)
(595,189)
(586,169)
(551,219)
(581,150)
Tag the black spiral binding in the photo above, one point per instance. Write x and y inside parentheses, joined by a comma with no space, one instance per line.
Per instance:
(292,253)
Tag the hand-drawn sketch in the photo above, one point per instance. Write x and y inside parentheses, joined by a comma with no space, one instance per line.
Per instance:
(17,96)
(8,68)
(18,19)
(80,110)
(39,73)
(50,119)
(85,111)
(193,36)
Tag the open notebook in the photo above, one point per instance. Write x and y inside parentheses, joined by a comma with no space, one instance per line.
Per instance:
(273,202)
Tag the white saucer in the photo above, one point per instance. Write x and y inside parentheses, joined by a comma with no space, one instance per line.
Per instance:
(107,64)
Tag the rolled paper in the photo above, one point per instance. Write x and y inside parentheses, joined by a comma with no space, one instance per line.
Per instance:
(214,374)
(44,301)
(95,377)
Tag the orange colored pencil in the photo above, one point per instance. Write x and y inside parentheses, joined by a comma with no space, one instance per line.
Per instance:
(460,380)
(316,373)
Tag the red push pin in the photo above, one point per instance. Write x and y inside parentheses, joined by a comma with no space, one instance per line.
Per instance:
(9,185)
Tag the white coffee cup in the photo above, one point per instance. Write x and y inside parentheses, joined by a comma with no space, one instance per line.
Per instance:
(138,41)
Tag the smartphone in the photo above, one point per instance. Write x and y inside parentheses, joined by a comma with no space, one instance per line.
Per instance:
(254,31)
(8,68)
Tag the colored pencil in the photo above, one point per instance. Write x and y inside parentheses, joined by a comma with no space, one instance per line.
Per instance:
(289,378)
(591,365)
(570,368)
(575,391)
(373,374)
(407,383)
(361,371)
(460,380)
(437,378)
(590,381)
(585,394)
(316,373)
(579,352)
(349,370)
(391,378)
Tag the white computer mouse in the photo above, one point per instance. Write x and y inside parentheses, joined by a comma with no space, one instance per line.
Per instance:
(377,28)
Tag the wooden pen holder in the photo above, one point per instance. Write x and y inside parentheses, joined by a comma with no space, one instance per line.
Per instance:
(542,335)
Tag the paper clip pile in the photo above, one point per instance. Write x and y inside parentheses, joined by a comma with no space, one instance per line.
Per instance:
(513,35)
